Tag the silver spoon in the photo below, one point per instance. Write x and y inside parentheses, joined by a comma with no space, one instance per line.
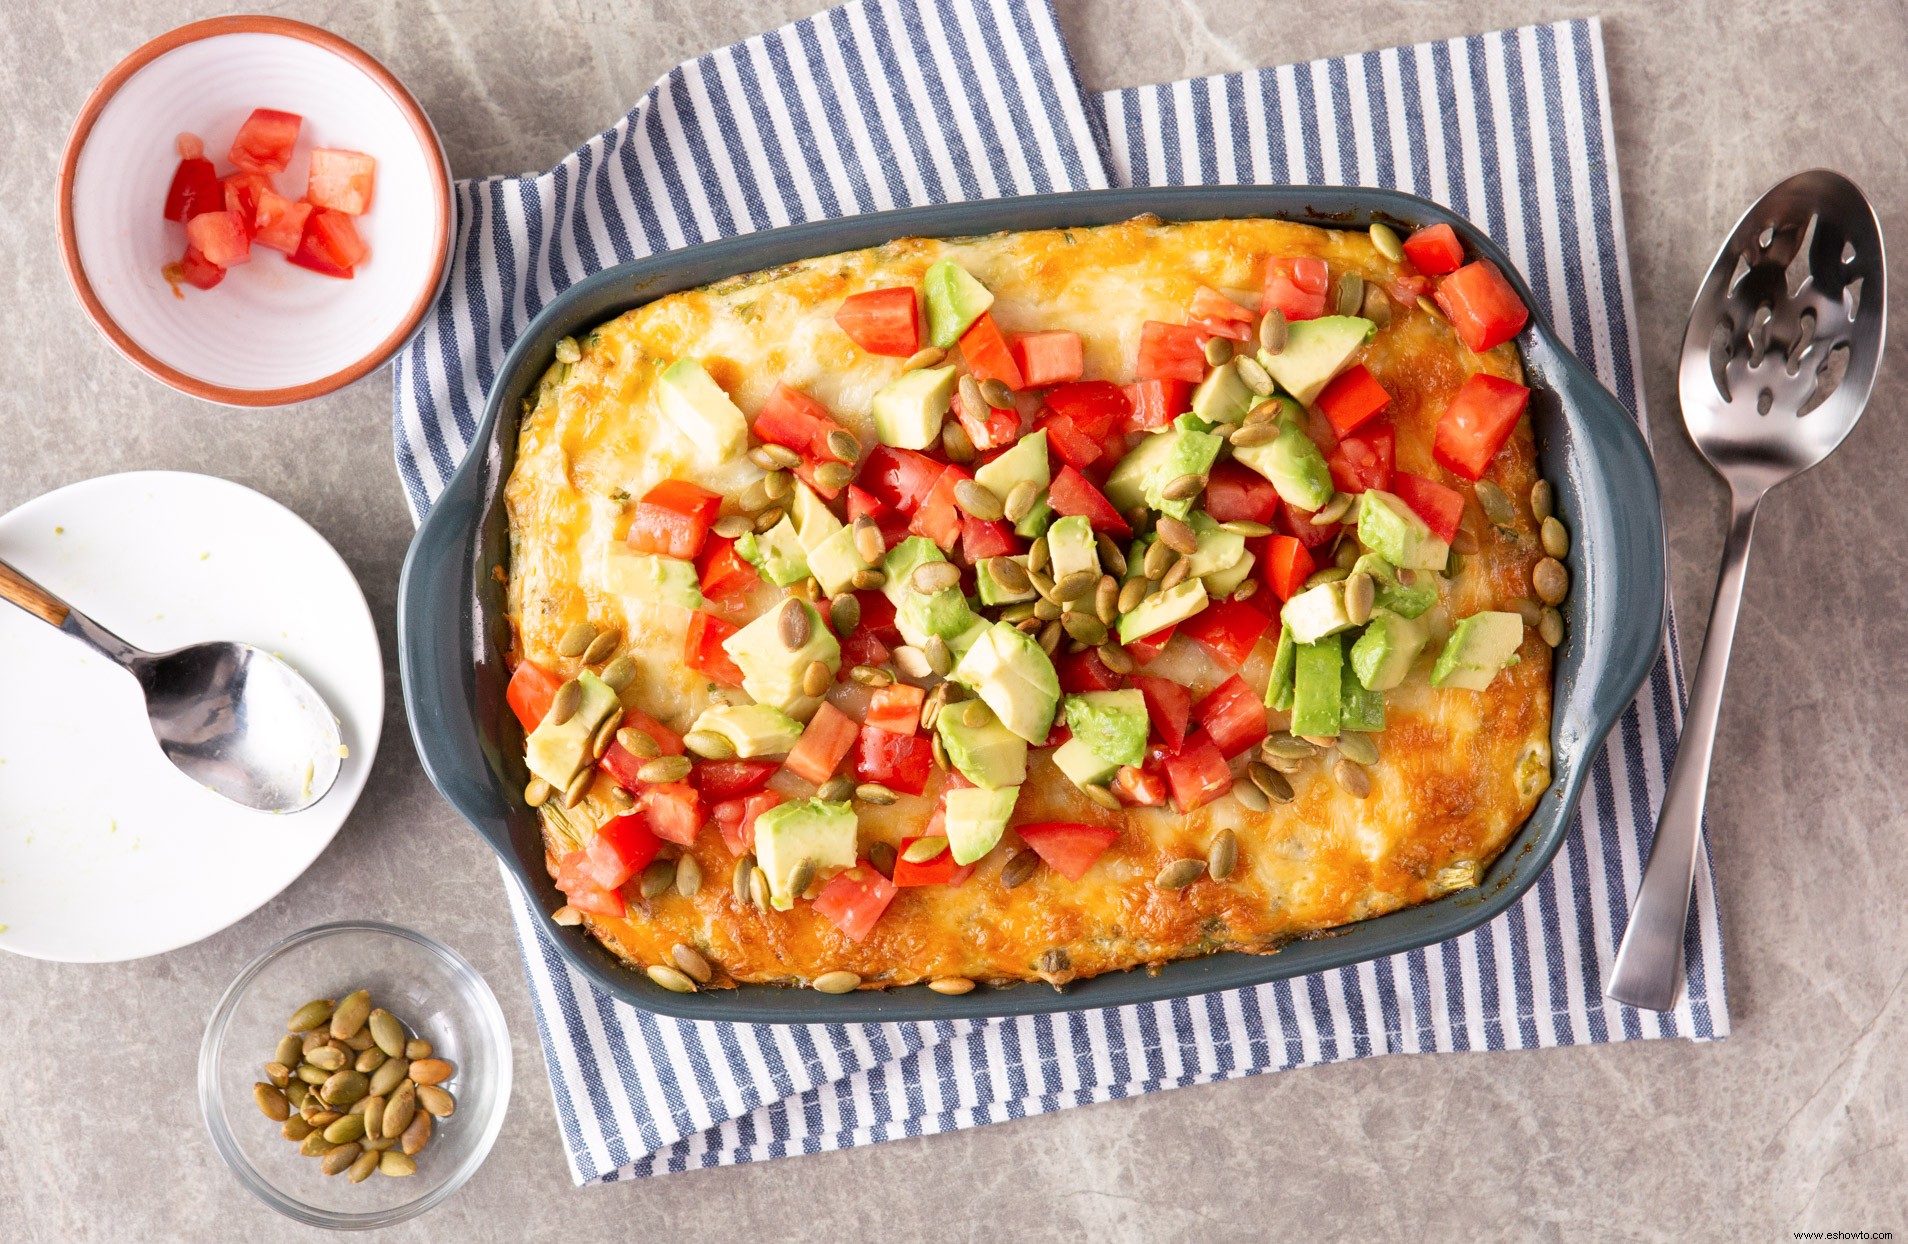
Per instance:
(233,718)
(1778,362)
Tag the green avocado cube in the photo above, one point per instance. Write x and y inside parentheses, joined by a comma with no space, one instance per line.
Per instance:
(771,673)
(1359,708)
(975,820)
(954,301)
(557,753)
(1163,609)
(1317,612)
(1384,654)
(1391,529)
(987,753)
(1025,462)
(1112,723)
(777,553)
(1278,685)
(1479,646)
(835,562)
(1294,465)
(902,561)
(814,521)
(1014,676)
(753,729)
(1222,397)
(990,581)
(1223,583)
(1193,454)
(1317,683)
(1084,765)
(909,410)
(1406,602)
(1126,485)
(1035,524)
(692,401)
(1071,545)
(815,831)
(1218,549)
(1315,351)
(650,578)
(945,613)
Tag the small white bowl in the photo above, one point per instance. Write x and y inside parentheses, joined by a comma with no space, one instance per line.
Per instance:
(270,333)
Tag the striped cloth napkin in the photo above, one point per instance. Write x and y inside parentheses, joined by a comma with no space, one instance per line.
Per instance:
(888,103)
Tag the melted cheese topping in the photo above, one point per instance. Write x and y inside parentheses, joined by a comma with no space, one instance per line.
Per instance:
(1460,770)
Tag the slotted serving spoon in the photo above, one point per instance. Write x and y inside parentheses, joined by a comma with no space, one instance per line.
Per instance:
(233,718)
(1778,362)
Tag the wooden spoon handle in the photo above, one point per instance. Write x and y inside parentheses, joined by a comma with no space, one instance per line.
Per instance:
(31,597)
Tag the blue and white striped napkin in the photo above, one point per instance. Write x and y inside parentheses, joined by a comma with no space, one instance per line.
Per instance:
(889,103)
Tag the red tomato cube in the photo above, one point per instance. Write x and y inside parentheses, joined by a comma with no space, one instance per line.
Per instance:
(1218,315)
(855,899)
(1233,716)
(195,188)
(987,355)
(1364,461)
(1481,305)
(1353,397)
(194,269)
(901,762)
(673,519)
(221,237)
(1296,286)
(1155,403)
(279,222)
(703,652)
(1288,564)
(1441,508)
(1071,493)
(1049,358)
(825,740)
(1435,250)
(341,180)
(1477,423)
(1068,847)
(1235,493)
(329,245)
(1228,630)
(264,143)
(531,689)
(622,848)
(883,321)
(1198,775)
(1169,705)
(1171,352)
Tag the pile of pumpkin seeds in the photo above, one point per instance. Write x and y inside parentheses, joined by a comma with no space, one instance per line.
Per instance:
(352,1087)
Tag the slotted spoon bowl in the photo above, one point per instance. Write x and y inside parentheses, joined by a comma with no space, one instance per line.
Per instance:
(1778,361)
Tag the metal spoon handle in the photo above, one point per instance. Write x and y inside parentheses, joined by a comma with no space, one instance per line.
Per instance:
(53,611)
(1644,974)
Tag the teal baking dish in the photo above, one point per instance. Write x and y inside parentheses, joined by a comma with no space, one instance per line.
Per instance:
(452,632)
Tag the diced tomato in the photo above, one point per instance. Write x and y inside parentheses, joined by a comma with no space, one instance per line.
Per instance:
(862,503)
(937,517)
(941,870)
(195,189)
(1481,305)
(792,419)
(900,762)
(1068,847)
(1198,773)
(990,427)
(194,269)
(673,518)
(1296,522)
(826,739)
(264,143)
(1084,671)
(1233,715)
(1435,250)
(622,848)
(1288,564)
(883,321)
(531,689)
(702,649)
(1066,442)
(1071,494)
(1218,315)
(987,355)
(279,222)
(1228,629)
(731,779)
(243,191)
(329,245)
(1139,787)
(895,708)
(1155,403)
(221,237)
(1353,397)
(1477,423)
(1145,648)
(341,180)
(622,766)
(674,810)
(1169,705)
(898,478)
(1236,493)
(1171,352)
(724,575)
(864,647)
(1296,286)
(1363,461)
(1438,506)
(983,539)
(854,900)
(1112,449)
(735,819)
(1048,358)
(1096,407)
(877,615)
(583,894)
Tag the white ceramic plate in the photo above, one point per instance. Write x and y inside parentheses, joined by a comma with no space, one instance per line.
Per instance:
(106,851)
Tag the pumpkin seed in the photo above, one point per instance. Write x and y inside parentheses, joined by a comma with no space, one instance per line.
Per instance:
(1496,504)
(957,444)
(1039,553)
(579,786)
(1550,627)
(834,476)
(940,658)
(1045,610)
(1529,610)
(290,1050)
(1351,775)
(297,1092)
(996,393)
(1333,510)
(563,705)
(373,1114)
(326,1059)
(271,1102)
(1249,795)
(739,884)
(1464,542)
(794,625)
(1132,592)
(1176,574)
(314,1113)
(1084,627)
(399,1108)
(1270,781)
(1255,376)
(1543,500)
(638,743)
(1116,658)
(576,639)
(602,647)
(436,1100)
(1218,351)
(396,1165)
(836,982)
(882,856)
(1272,331)
(1102,796)
(1355,745)
(1349,294)
(1176,535)
(753,499)
(1019,869)
(975,714)
(1020,501)
(931,577)
(1386,239)
(816,680)
(1139,518)
(972,400)
(870,675)
(1360,592)
(844,445)
(1223,855)
(921,850)
(1265,412)
(658,875)
(1377,306)
(1455,563)
(937,699)
(778,484)
(875,793)
(1555,537)
(294,1128)
(311,1075)
(1246,590)
(417,1049)
(978,500)
(417,1135)
(1185,487)
(567,916)
(1050,636)
(664,769)
(953,986)
(912,662)
(759,889)
(344,1088)
(772,457)
(362,1166)
(734,526)
(315,1145)
(1430,308)
(869,580)
(931,356)
(344,1131)
(1012,576)
(769,518)
(1055,961)
(1041,584)
(836,789)
(1179,874)
(370,1060)
(1074,585)
(1551,581)
(604,736)
(869,545)
(278,1073)
(338,1160)
(310,1016)
(844,614)
(691,962)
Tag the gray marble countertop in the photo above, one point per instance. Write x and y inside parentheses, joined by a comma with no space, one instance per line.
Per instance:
(1795,1123)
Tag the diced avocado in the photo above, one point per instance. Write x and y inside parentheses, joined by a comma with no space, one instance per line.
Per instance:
(1015,677)
(993,590)
(1406,602)
(814,521)
(754,729)
(902,561)
(1112,723)
(650,578)
(1070,541)
(1190,422)
(1317,612)
(1163,609)
(692,400)
(1479,646)
(835,562)
(977,626)
(558,753)
(772,674)
(1084,765)
(1389,528)
(1358,707)
(1317,683)
(777,553)
(909,409)
(1193,453)
(1315,351)
(1035,524)
(1026,461)
(1218,549)
(945,613)
(1278,684)
(1383,655)
(988,754)
(976,819)
(1222,397)
(1227,581)
(812,830)
(1136,557)
(1126,485)
(1294,465)
(954,300)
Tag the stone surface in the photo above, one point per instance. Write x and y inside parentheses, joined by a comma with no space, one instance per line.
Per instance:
(1795,1123)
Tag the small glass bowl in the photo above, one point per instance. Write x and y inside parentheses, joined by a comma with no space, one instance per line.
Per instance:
(428,986)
